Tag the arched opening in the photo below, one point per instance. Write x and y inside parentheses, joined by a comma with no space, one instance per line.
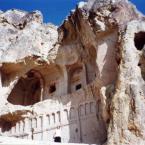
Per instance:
(139,40)
(5,126)
(52,88)
(77,77)
(28,90)
(54,81)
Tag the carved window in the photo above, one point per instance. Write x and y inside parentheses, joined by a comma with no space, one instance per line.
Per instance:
(79,86)
(139,40)
(52,88)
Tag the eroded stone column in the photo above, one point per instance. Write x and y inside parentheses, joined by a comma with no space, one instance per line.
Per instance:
(17,128)
(27,127)
(45,127)
(21,127)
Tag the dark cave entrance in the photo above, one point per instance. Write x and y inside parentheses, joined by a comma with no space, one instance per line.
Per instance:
(5,125)
(28,90)
(139,40)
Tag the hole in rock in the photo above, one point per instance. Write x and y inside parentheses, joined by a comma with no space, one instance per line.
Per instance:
(79,86)
(6,126)
(139,64)
(52,88)
(27,91)
(139,40)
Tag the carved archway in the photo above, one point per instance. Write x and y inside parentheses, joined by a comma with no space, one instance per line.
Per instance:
(28,90)
(77,77)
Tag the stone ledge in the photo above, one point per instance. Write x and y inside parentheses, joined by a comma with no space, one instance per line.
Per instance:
(16,141)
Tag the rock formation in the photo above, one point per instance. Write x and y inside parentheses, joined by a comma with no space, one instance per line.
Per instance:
(88,75)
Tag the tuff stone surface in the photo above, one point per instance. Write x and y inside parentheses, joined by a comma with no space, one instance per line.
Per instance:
(87,76)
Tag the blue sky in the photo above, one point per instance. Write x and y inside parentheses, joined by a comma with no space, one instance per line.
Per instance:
(54,11)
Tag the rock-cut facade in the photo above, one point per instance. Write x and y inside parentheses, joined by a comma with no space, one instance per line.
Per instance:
(86,76)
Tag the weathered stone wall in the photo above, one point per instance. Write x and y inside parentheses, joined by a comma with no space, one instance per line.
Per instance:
(71,112)
(87,76)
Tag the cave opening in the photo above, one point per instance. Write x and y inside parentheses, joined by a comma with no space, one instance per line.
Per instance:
(139,40)
(79,86)
(27,91)
(52,88)
(5,125)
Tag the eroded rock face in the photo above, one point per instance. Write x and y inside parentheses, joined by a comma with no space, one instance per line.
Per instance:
(23,35)
(90,71)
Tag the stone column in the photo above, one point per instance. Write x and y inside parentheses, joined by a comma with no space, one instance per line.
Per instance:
(34,124)
(65,116)
(45,127)
(39,125)
(65,79)
(17,128)
(27,127)
(58,118)
(42,89)
(78,109)
(21,127)
(84,79)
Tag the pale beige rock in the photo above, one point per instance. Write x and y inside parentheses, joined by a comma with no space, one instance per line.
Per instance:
(87,76)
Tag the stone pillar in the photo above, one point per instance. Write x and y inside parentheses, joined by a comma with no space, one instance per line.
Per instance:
(53,119)
(58,118)
(84,79)
(13,130)
(17,128)
(42,89)
(27,127)
(65,81)
(39,123)
(34,124)
(45,127)
(79,124)
(65,117)
(41,118)
(21,127)
(40,126)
